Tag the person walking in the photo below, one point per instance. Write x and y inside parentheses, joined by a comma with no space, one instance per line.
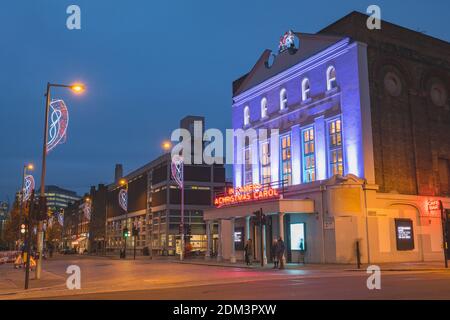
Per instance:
(248,252)
(274,253)
(280,252)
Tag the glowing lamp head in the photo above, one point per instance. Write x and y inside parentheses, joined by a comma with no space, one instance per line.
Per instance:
(122,182)
(77,88)
(88,199)
(30,166)
(166,145)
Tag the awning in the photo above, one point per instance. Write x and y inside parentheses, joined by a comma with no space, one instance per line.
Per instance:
(268,207)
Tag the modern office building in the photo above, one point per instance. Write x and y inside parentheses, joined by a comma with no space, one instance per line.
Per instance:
(59,198)
(153,205)
(361,159)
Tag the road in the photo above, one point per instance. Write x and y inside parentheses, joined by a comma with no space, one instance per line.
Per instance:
(102,278)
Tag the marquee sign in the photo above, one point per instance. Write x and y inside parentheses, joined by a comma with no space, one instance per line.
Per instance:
(59,121)
(123,199)
(248,193)
(28,187)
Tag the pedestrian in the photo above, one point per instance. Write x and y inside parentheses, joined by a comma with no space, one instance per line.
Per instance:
(248,252)
(280,252)
(274,253)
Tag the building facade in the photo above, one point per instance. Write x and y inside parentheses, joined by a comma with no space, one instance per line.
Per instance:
(59,198)
(362,151)
(153,205)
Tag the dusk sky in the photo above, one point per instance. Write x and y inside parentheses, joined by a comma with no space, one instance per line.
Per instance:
(146,64)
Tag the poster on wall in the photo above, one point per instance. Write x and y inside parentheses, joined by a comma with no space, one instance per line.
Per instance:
(298,240)
(404,234)
(239,238)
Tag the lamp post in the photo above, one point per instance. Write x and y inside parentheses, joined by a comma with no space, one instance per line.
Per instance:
(29,166)
(124,183)
(77,88)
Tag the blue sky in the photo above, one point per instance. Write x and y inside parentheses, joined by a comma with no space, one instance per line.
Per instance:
(146,64)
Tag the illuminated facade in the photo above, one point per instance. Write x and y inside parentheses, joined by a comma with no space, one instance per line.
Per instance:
(326,163)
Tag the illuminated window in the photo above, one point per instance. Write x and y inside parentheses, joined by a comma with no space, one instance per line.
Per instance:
(308,155)
(305,89)
(335,147)
(248,178)
(263,107)
(283,99)
(331,78)
(286,164)
(265,163)
(246,116)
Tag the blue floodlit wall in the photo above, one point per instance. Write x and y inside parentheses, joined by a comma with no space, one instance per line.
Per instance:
(349,101)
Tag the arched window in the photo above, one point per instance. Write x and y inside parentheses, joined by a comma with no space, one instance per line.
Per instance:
(331,78)
(246,116)
(283,99)
(264,107)
(305,89)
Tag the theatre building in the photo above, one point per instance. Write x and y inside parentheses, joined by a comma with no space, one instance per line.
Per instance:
(363,153)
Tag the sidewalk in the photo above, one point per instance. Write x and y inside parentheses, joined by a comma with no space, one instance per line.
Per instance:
(12,280)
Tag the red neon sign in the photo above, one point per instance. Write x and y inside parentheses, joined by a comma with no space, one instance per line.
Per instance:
(252,192)
(434,205)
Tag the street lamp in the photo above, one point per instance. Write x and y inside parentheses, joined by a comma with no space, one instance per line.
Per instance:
(76,88)
(166,145)
(26,167)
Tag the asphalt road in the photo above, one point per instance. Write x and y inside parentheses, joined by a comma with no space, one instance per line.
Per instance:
(403,285)
(103,278)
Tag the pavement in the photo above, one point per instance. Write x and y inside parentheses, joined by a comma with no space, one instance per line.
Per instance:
(168,278)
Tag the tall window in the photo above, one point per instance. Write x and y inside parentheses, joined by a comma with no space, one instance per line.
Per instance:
(308,155)
(286,164)
(331,78)
(283,99)
(263,107)
(265,163)
(248,173)
(246,116)
(305,89)
(335,147)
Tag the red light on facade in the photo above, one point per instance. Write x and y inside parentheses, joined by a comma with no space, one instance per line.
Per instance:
(434,205)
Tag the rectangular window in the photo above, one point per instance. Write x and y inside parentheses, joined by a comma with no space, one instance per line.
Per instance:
(308,155)
(265,163)
(248,173)
(286,164)
(335,147)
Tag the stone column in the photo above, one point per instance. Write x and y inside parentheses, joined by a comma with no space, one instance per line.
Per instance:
(281,228)
(264,245)
(247,227)
(208,239)
(232,250)
(219,240)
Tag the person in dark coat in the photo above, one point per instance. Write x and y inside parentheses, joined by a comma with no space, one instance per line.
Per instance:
(280,252)
(248,251)
(274,253)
